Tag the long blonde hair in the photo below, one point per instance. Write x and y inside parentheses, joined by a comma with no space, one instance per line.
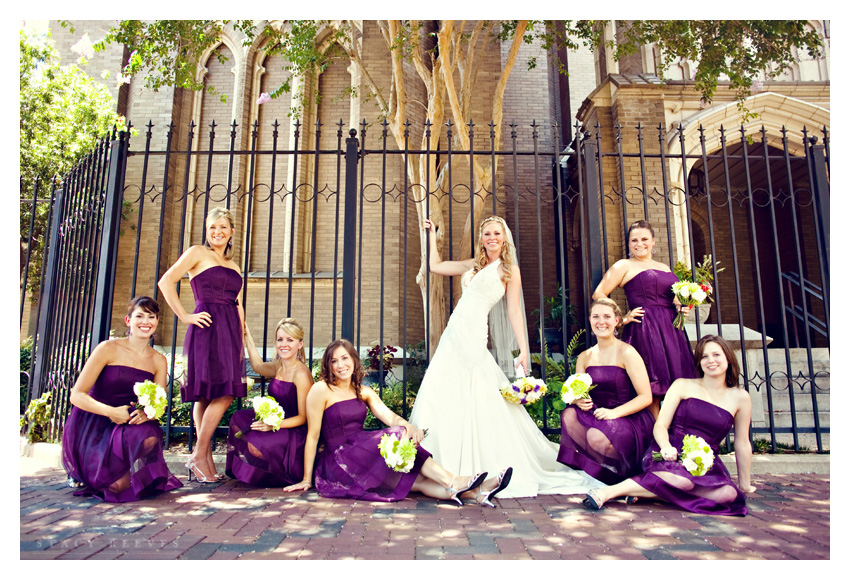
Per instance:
(505,255)
(213,216)
(293,328)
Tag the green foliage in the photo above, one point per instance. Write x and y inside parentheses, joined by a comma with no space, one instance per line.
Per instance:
(26,362)
(62,113)
(37,418)
(739,50)
(702,274)
(553,309)
(167,50)
(546,411)
(393,397)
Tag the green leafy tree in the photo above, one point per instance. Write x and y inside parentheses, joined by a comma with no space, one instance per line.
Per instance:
(446,56)
(63,113)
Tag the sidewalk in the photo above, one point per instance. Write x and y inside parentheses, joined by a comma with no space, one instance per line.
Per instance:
(789,519)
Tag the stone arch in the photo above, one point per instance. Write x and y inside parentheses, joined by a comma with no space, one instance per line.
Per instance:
(775,113)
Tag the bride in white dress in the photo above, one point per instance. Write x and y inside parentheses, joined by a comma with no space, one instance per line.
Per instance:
(471,428)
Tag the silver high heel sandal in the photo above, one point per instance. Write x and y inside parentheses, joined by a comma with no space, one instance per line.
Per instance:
(484,497)
(474,481)
(191,467)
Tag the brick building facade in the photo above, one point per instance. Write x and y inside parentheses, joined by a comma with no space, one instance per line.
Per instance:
(598,90)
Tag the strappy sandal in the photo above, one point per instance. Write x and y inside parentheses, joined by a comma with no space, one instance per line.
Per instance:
(592,501)
(472,483)
(504,480)
(191,467)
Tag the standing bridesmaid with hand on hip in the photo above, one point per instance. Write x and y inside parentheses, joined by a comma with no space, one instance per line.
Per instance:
(648,326)
(213,345)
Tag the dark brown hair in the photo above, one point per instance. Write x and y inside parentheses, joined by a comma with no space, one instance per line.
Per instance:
(640,224)
(357,375)
(146,303)
(732,370)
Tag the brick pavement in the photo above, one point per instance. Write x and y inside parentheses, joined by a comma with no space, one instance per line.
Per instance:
(789,520)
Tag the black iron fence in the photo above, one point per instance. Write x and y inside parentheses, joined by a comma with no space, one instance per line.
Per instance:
(328,227)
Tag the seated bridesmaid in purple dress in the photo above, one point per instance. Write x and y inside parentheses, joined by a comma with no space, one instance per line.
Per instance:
(606,434)
(706,407)
(213,348)
(648,326)
(110,448)
(348,462)
(256,454)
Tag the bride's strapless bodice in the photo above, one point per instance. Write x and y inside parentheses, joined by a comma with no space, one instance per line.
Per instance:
(480,294)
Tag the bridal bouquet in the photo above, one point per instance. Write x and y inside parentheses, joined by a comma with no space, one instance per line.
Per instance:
(524,390)
(689,294)
(152,398)
(693,289)
(576,387)
(399,454)
(696,456)
(268,411)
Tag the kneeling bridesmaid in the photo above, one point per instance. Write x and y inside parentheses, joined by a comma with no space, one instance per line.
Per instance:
(706,407)
(255,454)
(113,451)
(605,435)
(349,464)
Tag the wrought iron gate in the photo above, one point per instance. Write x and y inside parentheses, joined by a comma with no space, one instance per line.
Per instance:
(568,209)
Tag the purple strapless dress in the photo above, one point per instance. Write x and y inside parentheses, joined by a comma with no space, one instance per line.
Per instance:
(350,465)
(628,436)
(282,451)
(712,493)
(665,349)
(215,366)
(98,453)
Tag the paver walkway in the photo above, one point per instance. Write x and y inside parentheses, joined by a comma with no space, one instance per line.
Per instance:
(789,519)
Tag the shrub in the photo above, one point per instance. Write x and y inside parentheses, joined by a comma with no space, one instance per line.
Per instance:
(26,360)
(37,417)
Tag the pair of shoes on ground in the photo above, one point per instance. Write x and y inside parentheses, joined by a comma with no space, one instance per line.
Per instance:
(483,497)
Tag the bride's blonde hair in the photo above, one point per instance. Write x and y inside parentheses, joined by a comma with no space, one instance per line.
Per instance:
(481,251)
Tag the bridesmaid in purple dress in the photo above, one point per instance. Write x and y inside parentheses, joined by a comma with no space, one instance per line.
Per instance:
(606,434)
(213,346)
(110,449)
(648,326)
(255,454)
(349,464)
(706,407)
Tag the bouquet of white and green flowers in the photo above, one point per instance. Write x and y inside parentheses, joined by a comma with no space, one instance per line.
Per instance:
(697,455)
(576,387)
(524,390)
(689,294)
(152,398)
(267,411)
(399,454)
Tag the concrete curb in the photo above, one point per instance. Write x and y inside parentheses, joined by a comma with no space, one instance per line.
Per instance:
(50,455)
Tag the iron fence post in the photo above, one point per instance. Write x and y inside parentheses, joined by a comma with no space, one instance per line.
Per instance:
(108,256)
(46,308)
(822,204)
(349,244)
(594,223)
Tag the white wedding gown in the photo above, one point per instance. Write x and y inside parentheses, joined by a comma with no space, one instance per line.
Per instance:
(471,428)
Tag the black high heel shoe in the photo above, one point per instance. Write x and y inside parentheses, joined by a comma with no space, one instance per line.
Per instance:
(474,481)
(504,480)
